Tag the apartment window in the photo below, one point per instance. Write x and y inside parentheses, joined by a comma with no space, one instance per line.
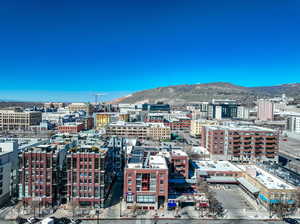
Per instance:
(146,198)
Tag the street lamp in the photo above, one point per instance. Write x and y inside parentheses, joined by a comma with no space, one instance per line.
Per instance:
(121,198)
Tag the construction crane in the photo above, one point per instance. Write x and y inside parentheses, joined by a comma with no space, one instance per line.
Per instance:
(97,96)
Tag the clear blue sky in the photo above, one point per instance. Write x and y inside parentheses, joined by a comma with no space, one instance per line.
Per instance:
(64,46)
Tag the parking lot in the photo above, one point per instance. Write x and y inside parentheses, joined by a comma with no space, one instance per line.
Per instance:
(237,204)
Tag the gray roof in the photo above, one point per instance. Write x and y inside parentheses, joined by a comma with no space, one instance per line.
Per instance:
(250,187)
(221,180)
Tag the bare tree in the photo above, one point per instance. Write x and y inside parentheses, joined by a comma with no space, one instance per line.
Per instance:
(33,205)
(73,204)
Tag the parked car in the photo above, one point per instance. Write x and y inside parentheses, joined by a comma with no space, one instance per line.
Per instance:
(290,220)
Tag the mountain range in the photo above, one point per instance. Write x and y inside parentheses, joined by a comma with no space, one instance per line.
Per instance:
(179,94)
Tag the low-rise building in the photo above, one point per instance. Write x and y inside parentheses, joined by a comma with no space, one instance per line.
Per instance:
(5,176)
(158,131)
(17,119)
(155,131)
(90,175)
(87,107)
(179,164)
(240,143)
(102,119)
(71,127)
(127,129)
(145,179)
(41,176)
(270,189)
(196,126)
(216,169)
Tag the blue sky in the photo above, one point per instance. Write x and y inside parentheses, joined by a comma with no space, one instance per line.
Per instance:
(68,49)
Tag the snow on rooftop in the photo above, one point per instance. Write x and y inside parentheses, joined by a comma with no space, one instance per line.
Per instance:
(268,180)
(217,166)
(178,152)
(240,128)
(157,162)
(200,150)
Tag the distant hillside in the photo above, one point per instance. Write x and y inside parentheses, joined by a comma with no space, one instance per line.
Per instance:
(204,92)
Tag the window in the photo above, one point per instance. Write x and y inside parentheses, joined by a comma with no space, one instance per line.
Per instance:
(146,198)
(129,198)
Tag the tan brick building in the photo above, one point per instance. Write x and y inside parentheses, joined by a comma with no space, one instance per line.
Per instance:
(17,119)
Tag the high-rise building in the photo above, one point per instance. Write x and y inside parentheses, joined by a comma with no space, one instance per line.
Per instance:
(265,110)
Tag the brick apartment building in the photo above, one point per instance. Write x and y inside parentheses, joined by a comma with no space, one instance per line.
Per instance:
(71,127)
(241,144)
(41,174)
(145,179)
(89,174)
(179,123)
(179,164)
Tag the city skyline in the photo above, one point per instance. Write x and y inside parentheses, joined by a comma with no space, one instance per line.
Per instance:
(129,46)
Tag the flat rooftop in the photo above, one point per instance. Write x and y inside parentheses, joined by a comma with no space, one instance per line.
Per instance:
(178,152)
(240,128)
(141,158)
(268,180)
(200,150)
(72,124)
(214,166)
(128,124)
(158,162)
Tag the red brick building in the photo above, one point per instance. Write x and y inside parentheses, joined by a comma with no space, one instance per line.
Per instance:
(240,143)
(179,124)
(145,179)
(89,175)
(40,174)
(179,164)
(71,127)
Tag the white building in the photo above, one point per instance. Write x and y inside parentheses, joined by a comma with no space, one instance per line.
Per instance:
(293,123)
(243,112)
(8,169)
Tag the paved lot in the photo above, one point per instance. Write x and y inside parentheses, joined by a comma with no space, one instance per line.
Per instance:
(237,204)
(291,146)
